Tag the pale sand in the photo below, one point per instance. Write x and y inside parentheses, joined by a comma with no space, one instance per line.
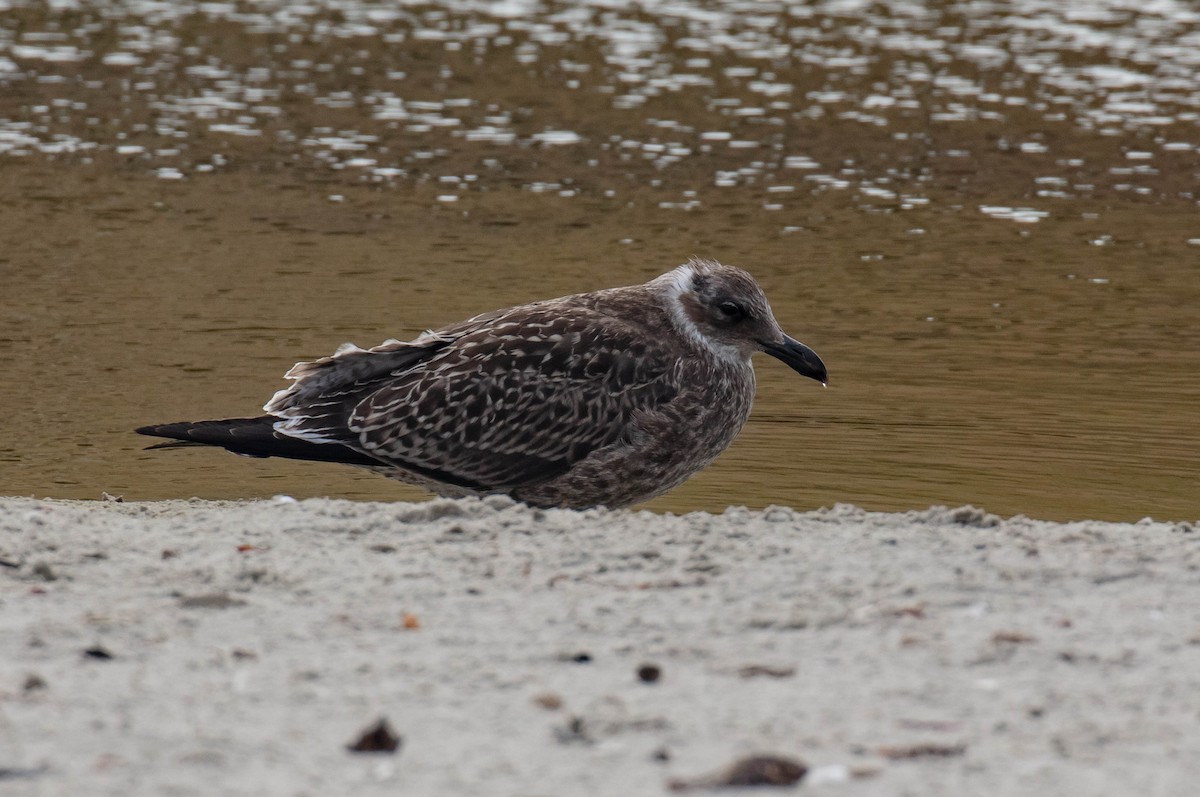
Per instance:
(1056,659)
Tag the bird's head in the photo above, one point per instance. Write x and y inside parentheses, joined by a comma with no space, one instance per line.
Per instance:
(723,309)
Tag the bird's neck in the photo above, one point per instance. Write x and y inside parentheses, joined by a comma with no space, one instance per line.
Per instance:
(674,289)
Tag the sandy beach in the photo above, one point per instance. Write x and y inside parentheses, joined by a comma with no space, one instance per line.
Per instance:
(192,648)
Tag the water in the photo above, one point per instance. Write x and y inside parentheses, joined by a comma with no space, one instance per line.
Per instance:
(983,215)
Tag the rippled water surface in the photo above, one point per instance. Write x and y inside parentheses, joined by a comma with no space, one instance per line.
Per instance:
(983,215)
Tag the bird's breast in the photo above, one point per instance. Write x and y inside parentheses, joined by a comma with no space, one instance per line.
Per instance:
(712,405)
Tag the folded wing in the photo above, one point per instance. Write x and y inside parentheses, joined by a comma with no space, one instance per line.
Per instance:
(492,404)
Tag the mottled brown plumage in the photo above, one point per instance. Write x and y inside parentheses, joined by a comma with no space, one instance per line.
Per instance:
(610,397)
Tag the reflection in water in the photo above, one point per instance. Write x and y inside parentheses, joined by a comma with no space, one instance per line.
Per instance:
(982,215)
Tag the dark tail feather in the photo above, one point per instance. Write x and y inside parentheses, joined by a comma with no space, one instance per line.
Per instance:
(253,437)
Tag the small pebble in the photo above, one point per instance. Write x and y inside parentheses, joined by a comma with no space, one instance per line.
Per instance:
(379,738)
(213,600)
(759,770)
(45,572)
(548,701)
(649,673)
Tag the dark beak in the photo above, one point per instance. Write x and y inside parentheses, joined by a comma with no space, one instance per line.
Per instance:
(802,359)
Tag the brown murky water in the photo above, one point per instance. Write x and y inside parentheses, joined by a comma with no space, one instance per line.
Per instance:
(983,216)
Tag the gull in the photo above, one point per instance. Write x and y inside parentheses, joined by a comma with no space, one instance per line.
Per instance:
(605,398)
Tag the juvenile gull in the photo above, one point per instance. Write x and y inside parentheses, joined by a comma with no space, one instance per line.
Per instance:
(610,397)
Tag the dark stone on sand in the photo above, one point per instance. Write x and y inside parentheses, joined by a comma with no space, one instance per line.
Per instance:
(214,600)
(379,738)
(759,770)
(649,673)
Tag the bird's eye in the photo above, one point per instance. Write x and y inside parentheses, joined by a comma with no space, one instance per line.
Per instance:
(732,311)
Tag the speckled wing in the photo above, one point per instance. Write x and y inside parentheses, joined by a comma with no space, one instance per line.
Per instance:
(515,399)
(325,392)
